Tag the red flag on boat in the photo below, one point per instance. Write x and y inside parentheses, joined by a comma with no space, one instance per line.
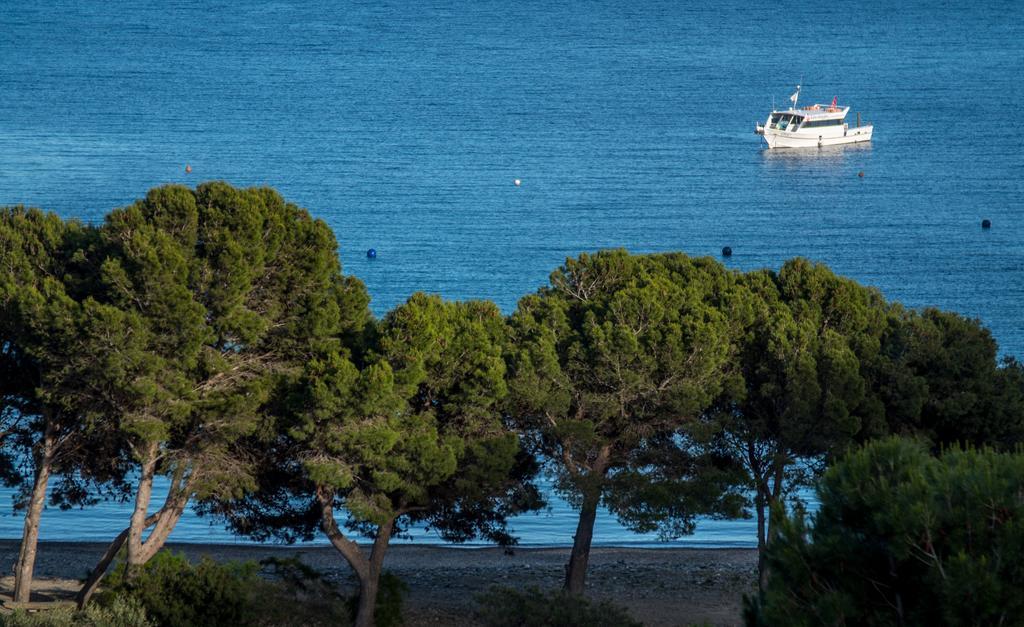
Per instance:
(835,99)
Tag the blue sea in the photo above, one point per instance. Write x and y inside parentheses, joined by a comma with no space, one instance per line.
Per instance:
(404,125)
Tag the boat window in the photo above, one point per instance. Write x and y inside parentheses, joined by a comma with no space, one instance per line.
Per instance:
(821,123)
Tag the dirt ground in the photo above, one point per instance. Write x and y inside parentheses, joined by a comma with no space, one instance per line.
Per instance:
(661,587)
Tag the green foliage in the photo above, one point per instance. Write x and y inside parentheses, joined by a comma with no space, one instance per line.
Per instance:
(390,596)
(946,368)
(393,430)
(609,365)
(665,486)
(176,593)
(121,611)
(806,344)
(403,426)
(290,592)
(293,572)
(276,593)
(209,334)
(156,339)
(506,607)
(56,345)
(903,538)
(231,288)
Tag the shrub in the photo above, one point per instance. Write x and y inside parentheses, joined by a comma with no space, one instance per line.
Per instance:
(903,538)
(293,593)
(176,593)
(121,611)
(505,607)
(293,573)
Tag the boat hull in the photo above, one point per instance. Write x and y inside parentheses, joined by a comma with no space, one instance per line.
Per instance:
(783,139)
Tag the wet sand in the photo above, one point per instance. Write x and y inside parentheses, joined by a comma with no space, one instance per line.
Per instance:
(661,587)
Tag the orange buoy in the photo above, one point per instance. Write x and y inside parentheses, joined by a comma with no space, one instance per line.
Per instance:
(188,169)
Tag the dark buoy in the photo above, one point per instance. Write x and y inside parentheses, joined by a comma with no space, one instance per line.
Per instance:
(986,223)
(727,252)
(371,254)
(861,174)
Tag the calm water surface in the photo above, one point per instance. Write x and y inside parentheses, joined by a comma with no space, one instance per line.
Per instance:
(404,125)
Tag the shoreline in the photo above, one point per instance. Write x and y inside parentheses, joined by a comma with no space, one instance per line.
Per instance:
(660,586)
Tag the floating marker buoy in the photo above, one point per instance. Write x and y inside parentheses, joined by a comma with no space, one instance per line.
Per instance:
(518,182)
(986,223)
(371,254)
(188,169)
(861,174)
(727,252)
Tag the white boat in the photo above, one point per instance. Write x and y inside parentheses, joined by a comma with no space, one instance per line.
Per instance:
(811,127)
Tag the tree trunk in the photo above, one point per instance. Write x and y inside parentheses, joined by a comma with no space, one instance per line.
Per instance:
(767,497)
(762,539)
(178,495)
(30,533)
(142,496)
(369,587)
(755,468)
(774,496)
(177,499)
(367,607)
(93,580)
(576,570)
(367,570)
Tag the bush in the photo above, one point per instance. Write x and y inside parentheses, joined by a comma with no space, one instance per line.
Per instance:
(176,593)
(903,538)
(505,607)
(296,594)
(121,611)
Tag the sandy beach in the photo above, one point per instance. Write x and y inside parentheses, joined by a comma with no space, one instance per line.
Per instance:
(661,587)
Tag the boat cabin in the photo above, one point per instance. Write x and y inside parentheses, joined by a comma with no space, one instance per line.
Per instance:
(816,116)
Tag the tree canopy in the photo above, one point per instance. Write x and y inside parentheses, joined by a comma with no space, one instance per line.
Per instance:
(804,392)
(608,365)
(957,389)
(903,538)
(405,426)
(227,287)
(58,346)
